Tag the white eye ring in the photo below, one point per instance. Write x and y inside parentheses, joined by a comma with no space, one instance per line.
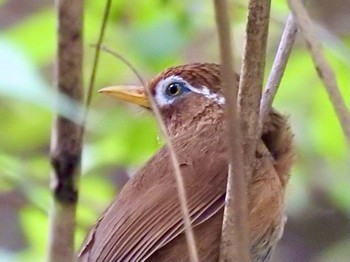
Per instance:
(161,96)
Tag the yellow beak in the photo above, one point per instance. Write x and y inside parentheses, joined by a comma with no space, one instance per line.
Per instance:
(132,94)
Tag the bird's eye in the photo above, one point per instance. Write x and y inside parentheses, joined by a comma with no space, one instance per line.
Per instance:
(174,89)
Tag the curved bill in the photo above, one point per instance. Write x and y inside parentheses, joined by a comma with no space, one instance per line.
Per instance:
(128,93)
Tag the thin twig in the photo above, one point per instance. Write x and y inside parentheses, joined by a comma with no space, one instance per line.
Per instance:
(323,68)
(125,61)
(234,238)
(66,138)
(193,254)
(278,68)
(97,55)
(252,74)
(91,84)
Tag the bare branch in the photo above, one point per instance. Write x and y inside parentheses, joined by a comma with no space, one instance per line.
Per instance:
(193,254)
(252,74)
(324,70)
(234,238)
(66,139)
(278,68)
(97,54)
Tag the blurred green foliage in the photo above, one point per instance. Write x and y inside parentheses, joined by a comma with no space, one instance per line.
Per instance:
(153,35)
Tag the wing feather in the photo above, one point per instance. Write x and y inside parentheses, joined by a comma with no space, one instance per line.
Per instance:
(146,215)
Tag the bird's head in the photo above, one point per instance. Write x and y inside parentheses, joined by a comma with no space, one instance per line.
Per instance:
(187,95)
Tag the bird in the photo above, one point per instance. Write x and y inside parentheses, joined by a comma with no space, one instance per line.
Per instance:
(144,222)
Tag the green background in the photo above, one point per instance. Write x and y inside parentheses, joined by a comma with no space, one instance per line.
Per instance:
(154,35)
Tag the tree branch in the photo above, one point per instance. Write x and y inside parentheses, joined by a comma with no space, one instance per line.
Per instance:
(97,55)
(252,74)
(66,138)
(324,70)
(234,238)
(277,70)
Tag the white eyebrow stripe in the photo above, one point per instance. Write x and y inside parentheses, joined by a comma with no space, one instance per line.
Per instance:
(208,94)
(162,100)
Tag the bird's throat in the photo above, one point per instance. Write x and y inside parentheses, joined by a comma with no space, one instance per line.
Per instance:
(179,122)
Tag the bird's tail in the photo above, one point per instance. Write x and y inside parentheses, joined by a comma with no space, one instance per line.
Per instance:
(278,138)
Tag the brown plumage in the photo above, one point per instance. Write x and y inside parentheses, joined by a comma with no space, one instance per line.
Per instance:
(144,222)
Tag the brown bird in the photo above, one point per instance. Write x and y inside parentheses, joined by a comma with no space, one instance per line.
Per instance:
(144,222)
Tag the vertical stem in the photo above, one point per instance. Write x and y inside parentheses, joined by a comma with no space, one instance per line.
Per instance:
(97,55)
(278,68)
(66,138)
(252,75)
(234,238)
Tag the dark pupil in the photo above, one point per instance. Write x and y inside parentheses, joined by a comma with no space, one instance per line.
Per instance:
(173,89)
